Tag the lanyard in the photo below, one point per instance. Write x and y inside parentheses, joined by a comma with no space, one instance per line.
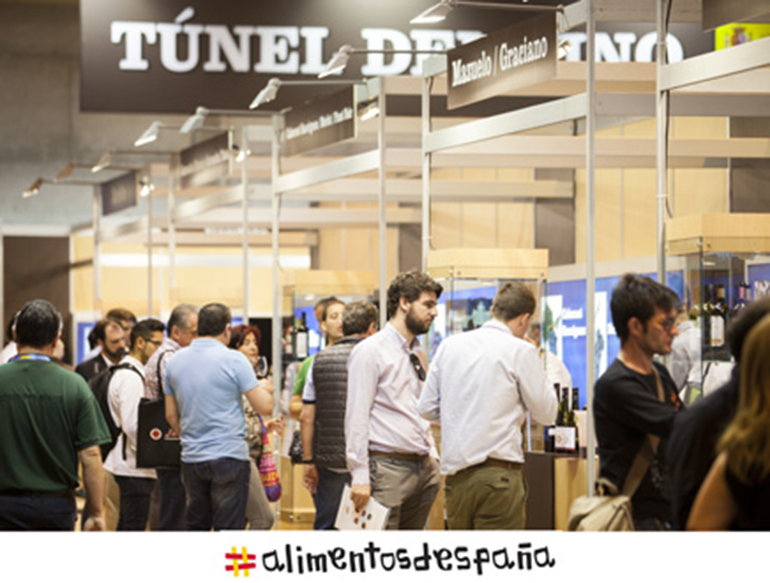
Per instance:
(32,356)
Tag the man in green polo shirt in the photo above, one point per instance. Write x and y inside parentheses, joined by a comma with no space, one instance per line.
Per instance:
(49,420)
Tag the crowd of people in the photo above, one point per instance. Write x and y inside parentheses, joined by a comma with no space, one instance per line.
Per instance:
(365,404)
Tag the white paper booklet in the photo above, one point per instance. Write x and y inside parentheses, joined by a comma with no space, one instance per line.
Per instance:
(373,517)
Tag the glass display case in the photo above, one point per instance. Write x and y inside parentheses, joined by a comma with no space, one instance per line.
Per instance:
(470,278)
(725,260)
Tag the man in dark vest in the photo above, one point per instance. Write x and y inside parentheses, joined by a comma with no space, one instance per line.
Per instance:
(323,415)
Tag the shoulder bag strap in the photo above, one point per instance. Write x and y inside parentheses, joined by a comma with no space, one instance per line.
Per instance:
(642,460)
(157,373)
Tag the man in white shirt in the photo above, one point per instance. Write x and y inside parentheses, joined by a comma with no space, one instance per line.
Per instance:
(125,391)
(390,450)
(554,367)
(480,386)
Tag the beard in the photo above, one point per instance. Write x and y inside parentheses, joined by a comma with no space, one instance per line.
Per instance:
(117,355)
(416,326)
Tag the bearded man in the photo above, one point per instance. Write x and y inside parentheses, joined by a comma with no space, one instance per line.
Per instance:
(390,449)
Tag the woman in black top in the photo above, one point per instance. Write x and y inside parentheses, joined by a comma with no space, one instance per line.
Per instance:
(736,492)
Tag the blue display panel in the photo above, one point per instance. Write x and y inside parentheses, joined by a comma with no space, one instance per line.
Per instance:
(564,324)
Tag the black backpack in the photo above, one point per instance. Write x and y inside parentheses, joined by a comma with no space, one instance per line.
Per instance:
(100,386)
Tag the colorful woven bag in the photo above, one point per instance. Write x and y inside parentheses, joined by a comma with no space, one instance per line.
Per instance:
(268,473)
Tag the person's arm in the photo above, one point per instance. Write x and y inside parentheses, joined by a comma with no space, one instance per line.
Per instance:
(93,479)
(538,397)
(714,507)
(429,405)
(261,401)
(309,471)
(172,414)
(363,379)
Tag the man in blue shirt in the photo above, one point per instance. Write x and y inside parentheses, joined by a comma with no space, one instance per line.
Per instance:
(203,389)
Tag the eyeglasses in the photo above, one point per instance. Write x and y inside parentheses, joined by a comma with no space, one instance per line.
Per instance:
(668,324)
(155,342)
(415,360)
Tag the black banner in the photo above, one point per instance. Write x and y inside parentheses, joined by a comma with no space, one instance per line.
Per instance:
(320,123)
(508,59)
(719,12)
(206,161)
(120,193)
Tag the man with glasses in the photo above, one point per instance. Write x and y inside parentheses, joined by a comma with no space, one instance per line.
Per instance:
(389,447)
(182,329)
(480,387)
(203,390)
(628,412)
(125,390)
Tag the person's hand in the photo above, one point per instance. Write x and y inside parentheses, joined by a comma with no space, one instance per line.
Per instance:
(360,494)
(95,524)
(274,425)
(310,477)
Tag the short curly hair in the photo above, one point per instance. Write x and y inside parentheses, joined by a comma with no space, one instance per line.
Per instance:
(410,285)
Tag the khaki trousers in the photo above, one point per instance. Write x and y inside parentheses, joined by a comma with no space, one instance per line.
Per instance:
(486,498)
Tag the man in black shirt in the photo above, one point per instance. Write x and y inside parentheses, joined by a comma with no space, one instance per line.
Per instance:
(692,447)
(626,403)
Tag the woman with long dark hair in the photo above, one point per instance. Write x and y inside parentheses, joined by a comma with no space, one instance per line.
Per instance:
(736,493)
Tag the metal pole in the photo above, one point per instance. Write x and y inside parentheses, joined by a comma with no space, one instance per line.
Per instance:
(277,292)
(590,240)
(97,261)
(149,253)
(172,231)
(245,183)
(381,99)
(661,112)
(426,161)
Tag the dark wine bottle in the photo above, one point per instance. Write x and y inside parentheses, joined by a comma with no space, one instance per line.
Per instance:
(565,434)
(301,339)
(573,417)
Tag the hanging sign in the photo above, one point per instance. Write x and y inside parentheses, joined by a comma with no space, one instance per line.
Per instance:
(120,193)
(508,59)
(719,12)
(206,161)
(321,122)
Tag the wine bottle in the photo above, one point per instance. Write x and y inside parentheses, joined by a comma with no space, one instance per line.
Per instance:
(301,339)
(565,435)
(740,303)
(550,430)
(573,417)
(718,317)
(705,312)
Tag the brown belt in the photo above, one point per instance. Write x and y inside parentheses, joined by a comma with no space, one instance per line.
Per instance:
(493,463)
(409,457)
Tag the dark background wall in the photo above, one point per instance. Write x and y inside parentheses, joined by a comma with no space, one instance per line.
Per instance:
(37,267)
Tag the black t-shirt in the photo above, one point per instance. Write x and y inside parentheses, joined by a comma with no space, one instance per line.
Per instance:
(626,409)
(692,446)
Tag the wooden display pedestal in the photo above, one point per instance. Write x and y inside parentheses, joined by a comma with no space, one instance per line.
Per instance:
(296,502)
(555,481)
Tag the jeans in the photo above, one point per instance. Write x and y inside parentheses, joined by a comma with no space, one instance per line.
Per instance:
(327,497)
(134,502)
(37,513)
(217,492)
(172,499)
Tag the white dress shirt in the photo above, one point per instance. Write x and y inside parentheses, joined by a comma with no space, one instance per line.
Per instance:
(480,386)
(126,389)
(381,414)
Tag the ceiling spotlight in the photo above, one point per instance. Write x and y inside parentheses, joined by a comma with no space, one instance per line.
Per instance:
(103,162)
(369,112)
(146,187)
(149,135)
(340,59)
(195,121)
(439,11)
(269,92)
(240,155)
(563,49)
(35,188)
(65,172)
